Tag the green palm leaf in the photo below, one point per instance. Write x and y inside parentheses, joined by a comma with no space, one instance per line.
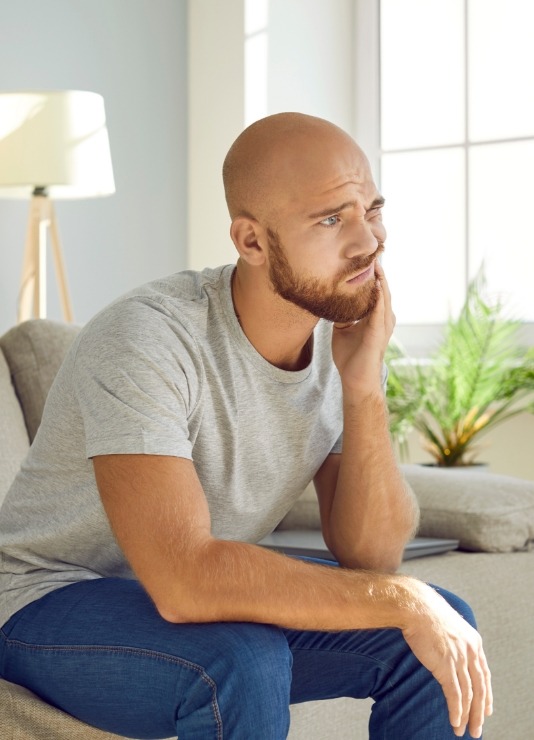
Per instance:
(479,377)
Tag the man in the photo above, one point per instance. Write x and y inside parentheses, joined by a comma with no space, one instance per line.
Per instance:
(184,423)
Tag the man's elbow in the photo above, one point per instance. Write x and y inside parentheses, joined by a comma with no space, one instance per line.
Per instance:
(184,610)
(175,593)
(169,613)
(173,606)
(378,563)
(373,556)
(184,595)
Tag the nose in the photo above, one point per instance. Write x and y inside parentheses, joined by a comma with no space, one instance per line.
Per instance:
(362,240)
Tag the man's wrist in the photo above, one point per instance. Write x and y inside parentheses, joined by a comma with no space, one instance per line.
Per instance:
(354,394)
(410,600)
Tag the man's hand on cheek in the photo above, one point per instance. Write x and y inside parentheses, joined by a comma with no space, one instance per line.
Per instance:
(358,349)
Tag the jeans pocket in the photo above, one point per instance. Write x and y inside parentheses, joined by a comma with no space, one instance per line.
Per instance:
(7,628)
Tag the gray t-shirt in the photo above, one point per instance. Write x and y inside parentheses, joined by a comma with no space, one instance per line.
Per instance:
(165,370)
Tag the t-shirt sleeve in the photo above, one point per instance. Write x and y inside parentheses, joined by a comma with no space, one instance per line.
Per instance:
(137,378)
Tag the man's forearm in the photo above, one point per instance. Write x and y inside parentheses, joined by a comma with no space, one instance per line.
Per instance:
(243,582)
(373,512)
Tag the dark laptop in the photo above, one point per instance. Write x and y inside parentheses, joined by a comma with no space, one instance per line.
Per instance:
(310,543)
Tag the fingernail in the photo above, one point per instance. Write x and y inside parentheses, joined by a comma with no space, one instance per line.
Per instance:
(477,732)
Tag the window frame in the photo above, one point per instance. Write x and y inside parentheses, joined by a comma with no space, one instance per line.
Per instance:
(418,339)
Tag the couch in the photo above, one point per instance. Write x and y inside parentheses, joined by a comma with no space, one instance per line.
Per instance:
(492,516)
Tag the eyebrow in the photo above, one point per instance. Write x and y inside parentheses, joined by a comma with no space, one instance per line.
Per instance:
(378,202)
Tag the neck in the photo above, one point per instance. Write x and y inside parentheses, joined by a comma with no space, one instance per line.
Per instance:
(279,331)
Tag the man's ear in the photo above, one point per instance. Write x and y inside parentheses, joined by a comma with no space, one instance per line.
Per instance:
(248,237)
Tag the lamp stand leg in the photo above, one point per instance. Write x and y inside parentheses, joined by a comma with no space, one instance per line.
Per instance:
(30,265)
(39,301)
(59,263)
(32,295)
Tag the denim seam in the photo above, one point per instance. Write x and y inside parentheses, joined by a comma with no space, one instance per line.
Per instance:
(133,651)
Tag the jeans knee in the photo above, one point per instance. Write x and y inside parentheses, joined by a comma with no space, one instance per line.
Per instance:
(252,671)
(257,653)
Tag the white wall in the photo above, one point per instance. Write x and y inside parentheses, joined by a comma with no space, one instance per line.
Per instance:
(133,52)
(216,114)
(309,69)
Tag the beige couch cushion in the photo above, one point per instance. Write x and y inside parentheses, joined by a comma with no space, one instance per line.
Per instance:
(34,351)
(13,435)
(304,514)
(485,511)
(25,717)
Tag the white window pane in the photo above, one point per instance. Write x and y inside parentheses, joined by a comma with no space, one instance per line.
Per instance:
(501,194)
(422,72)
(256,51)
(501,69)
(256,16)
(425,220)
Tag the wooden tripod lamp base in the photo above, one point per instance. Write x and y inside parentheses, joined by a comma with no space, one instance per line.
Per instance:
(32,297)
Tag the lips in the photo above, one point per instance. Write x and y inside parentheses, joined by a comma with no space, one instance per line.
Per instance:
(361,267)
(363,274)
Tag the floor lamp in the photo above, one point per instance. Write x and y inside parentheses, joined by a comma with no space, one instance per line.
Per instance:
(53,145)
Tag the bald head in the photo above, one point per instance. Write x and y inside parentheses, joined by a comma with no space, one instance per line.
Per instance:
(269,158)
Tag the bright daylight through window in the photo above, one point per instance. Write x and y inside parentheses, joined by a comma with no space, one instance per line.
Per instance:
(457,151)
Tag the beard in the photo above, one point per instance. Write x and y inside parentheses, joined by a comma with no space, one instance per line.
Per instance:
(323,298)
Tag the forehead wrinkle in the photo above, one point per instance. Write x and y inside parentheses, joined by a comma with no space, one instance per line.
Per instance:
(361,178)
(333,209)
(359,199)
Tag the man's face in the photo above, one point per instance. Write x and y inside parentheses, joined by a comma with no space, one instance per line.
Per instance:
(321,297)
(329,234)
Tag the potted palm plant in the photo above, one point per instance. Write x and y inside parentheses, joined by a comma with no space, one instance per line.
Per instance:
(478,377)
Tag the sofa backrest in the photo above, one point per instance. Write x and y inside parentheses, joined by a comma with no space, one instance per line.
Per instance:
(30,356)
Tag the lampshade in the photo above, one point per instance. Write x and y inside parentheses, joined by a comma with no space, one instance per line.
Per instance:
(56,140)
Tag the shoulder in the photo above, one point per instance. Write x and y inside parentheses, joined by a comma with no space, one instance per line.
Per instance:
(165,315)
(149,333)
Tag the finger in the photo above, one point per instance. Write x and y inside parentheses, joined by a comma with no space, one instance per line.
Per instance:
(466,687)
(453,697)
(380,274)
(379,269)
(478,703)
(487,680)
(379,312)
(384,285)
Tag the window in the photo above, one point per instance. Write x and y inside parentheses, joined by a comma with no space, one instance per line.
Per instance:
(456,121)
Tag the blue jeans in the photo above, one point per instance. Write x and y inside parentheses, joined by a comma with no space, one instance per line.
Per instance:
(100,651)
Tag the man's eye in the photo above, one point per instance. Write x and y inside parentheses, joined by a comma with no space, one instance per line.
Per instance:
(330,221)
